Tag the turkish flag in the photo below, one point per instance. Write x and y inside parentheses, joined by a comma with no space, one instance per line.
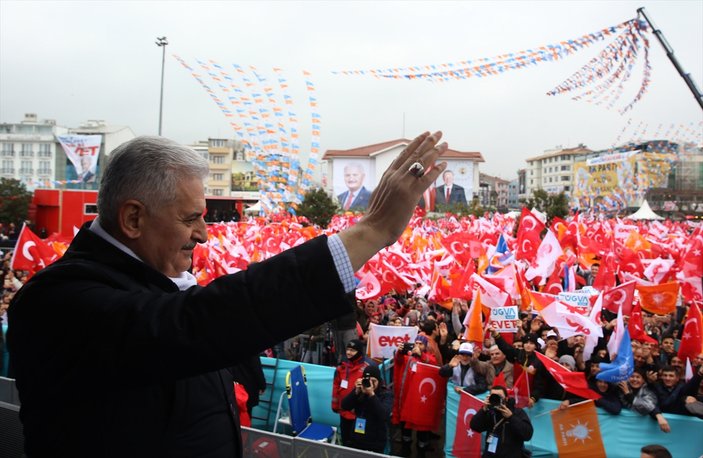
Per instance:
(659,299)
(636,326)
(31,253)
(528,235)
(521,390)
(577,432)
(545,260)
(573,382)
(692,338)
(605,279)
(461,285)
(467,442)
(423,398)
(368,288)
(623,296)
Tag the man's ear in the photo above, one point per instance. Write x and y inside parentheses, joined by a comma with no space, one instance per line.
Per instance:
(131,218)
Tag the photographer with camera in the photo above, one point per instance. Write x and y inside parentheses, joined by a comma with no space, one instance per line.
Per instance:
(345,377)
(371,403)
(507,427)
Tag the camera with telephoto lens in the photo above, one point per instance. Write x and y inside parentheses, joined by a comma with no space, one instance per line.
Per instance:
(366,381)
(494,401)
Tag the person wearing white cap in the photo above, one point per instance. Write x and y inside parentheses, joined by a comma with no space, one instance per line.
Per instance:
(468,373)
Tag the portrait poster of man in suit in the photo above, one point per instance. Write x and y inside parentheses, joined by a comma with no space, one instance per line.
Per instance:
(449,193)
(355,196)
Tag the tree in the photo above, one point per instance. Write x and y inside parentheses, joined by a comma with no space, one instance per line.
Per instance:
(14,201)
(318,207)
(550,204)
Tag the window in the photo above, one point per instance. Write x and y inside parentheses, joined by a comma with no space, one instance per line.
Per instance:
(7,148)
(26,150)
(565,167)
(217,192)
(44,168)
(550,179)
(531,181)
(44,150)
(217,159)
(565,178)
(217,176)
(90,209)
(8,166)
(218,142)
(26,168)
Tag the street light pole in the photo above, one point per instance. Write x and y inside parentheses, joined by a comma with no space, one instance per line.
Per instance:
(162,42)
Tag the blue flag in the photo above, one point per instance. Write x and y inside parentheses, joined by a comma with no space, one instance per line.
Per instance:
(621,369)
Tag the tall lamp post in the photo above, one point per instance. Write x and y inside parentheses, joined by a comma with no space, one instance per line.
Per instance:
(162,42)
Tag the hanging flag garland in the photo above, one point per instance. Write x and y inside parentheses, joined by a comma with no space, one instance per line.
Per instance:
(607,73)
(267,128)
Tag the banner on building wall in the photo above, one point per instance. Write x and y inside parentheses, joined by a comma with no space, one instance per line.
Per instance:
(459,178)
(354,180)
(83,152)
(619,181)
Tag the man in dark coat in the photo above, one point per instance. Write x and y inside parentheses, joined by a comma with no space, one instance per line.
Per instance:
(371,404)
(449,193)
(138,362)
(507,426)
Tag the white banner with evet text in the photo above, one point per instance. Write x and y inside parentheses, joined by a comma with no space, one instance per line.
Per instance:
(384,340)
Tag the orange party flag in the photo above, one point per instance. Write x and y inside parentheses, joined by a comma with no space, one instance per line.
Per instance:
(659,299)
(577,432)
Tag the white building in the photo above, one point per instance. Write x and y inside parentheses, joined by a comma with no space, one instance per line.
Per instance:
(28,151)
(375,159)
(553,171)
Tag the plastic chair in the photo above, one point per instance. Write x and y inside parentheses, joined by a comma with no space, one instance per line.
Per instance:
(299,405)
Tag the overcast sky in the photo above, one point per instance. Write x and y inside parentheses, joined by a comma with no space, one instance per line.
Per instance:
(74,61)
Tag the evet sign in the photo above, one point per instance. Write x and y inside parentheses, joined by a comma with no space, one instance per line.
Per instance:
(393,341)
(383,340)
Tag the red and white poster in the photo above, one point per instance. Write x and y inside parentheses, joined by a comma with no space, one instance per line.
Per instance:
(83,152)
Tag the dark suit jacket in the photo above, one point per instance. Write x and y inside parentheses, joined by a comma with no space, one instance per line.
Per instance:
(111,359)
(360,201)
(456,197)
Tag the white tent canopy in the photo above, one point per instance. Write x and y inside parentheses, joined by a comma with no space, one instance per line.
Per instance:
(644,212)
(254,209)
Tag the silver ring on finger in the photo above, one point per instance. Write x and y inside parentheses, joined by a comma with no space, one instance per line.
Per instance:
(417,170)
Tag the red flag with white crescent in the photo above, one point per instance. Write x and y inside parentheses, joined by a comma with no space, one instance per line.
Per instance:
(31,252)
(423,400)
(467,442)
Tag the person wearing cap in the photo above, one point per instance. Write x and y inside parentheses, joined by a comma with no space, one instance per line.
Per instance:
(468,373)
(371,404)
(344,382)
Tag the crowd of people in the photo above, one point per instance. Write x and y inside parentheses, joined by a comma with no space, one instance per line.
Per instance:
(657,385)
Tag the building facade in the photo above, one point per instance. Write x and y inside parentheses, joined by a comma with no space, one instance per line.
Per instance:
(366,165)
(553,170)
(29,151)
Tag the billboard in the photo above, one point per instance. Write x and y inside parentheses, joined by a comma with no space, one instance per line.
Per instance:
(354,180)
(617,181)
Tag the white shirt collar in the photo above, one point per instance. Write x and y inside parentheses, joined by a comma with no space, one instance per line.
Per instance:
(184,281)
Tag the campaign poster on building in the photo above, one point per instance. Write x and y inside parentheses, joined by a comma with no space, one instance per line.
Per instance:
(354,180)
(83,152)
(455,186)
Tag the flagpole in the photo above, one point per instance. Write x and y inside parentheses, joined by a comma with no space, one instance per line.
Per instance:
(557,409)
(670,54)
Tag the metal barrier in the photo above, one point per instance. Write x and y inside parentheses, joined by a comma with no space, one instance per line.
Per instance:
(8,391)
(11,438)
(255,442)
(265,444)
